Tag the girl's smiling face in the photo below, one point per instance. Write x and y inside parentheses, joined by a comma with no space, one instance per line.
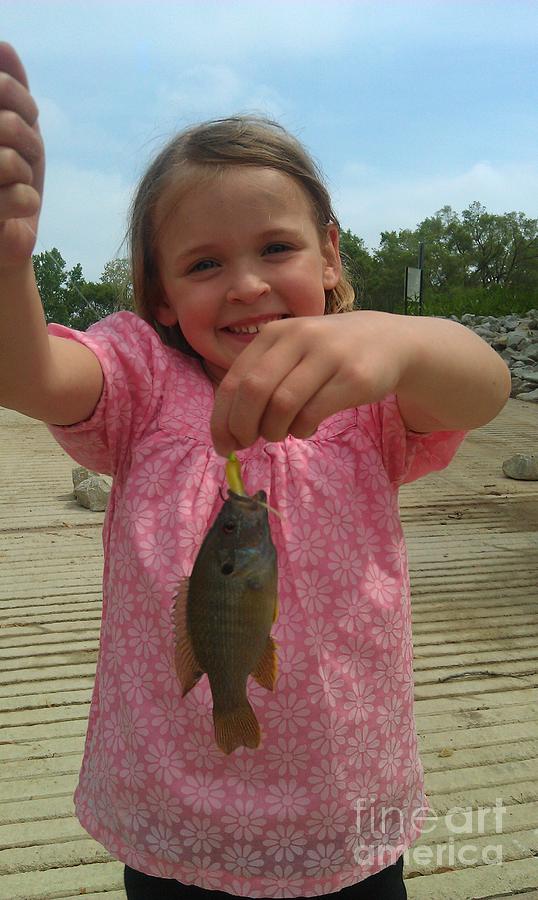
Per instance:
(241,249)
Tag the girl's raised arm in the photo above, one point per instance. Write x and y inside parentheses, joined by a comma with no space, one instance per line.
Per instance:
(48,378)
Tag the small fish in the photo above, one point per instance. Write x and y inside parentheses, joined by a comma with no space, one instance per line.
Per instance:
(224,613)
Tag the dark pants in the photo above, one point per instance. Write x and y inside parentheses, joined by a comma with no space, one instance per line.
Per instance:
(385,885)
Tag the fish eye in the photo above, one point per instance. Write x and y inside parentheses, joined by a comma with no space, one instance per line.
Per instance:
(228,526)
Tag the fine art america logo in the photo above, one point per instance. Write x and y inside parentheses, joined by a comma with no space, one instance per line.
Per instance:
(380,830)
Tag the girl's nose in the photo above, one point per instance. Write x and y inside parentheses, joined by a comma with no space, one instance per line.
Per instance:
(247,287)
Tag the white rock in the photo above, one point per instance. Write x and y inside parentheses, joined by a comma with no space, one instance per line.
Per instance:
(93,493)
(79,473)
(522,466)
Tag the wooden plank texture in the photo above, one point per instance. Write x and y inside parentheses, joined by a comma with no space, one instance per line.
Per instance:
(473,549)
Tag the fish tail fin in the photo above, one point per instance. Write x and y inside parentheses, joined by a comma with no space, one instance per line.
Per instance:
(236,728)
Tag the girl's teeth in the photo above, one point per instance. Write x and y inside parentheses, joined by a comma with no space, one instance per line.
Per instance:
(247,329)
(250,329)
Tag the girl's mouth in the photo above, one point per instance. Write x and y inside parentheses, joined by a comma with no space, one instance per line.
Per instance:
(248,332)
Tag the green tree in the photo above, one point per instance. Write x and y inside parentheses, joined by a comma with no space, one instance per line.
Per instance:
(475,262)
(117,274)
(67,298)
(358,265)
(499,250)
(396,251)
(51,277)
(92,301)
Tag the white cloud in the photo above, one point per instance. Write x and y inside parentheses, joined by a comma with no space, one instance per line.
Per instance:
(68,136)
(84,216)
(201,88)
(368,204)
(207,91)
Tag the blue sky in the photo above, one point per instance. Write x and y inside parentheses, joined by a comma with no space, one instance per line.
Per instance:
(407,106)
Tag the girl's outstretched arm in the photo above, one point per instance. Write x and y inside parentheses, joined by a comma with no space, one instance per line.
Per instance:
(454,379)
(51,379)
(299,371)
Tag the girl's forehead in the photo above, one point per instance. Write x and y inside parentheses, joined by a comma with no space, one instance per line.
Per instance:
(251,186)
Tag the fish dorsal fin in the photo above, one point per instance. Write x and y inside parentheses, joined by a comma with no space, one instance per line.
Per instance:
(266,668)
(187,666)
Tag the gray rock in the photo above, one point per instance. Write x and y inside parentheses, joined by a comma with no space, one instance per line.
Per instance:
(484,332)
(511,322)
(93,493)
(529,396)
(519,386)
(514,339)
(523,467)
(532,351)
(526,373)
(79,474)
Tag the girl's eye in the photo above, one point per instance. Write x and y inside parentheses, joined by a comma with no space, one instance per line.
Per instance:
(203,265)
(277,248)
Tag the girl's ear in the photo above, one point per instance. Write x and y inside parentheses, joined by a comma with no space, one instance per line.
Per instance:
(332,269)
(165,314)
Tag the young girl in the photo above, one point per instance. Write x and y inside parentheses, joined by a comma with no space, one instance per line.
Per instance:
(246,340)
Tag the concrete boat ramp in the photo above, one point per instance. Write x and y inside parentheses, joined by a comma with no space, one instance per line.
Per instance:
(473,544)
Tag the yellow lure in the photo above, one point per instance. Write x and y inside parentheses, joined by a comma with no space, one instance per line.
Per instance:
(233,476)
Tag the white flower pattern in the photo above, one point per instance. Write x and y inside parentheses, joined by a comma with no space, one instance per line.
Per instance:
(279,821)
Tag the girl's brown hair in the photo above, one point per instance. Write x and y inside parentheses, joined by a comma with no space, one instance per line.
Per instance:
(210,149)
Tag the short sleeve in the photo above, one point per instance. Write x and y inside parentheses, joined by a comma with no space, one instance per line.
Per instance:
(133,361)
(407,455)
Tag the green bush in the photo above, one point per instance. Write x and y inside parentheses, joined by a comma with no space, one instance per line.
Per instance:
(493,301)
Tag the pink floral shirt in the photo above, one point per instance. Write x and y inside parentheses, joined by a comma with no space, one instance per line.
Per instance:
(335,791)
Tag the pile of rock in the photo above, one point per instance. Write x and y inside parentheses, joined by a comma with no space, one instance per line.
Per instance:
(516,339)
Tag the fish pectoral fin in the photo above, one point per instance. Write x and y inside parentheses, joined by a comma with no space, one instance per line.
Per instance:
(188,668)
(266,668)
(275,611)
(236,728)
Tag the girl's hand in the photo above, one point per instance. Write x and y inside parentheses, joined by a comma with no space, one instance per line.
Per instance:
(22,163)
(299,371)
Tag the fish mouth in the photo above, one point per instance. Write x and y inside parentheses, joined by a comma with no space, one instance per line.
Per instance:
(248,500)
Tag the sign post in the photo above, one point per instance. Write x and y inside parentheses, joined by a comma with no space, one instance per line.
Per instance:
(414,286)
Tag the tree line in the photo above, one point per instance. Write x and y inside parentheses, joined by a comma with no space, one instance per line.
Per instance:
(476,262)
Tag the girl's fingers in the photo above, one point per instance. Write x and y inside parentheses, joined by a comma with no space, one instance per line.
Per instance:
(19,130)
(16,134)
(268,384)
(18,201)
(10,62)
(330,398)
(244,392)
(22,162)
(13,168)
(14,96)
(294,404)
